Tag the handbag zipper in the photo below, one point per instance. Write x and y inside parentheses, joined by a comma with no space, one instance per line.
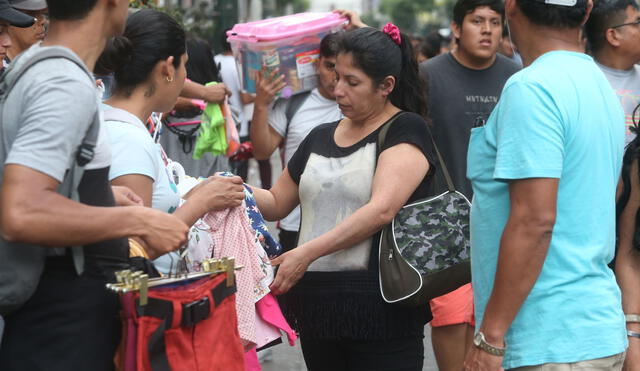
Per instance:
(390,254)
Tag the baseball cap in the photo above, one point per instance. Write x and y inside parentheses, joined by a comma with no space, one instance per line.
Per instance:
(28,4)
(14,17)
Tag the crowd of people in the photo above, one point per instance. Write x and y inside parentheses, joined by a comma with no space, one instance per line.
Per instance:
(533,105)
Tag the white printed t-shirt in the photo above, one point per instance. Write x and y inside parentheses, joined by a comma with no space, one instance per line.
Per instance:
(626,84)
(315,110)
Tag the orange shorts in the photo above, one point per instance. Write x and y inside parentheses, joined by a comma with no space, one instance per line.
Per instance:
(453,308)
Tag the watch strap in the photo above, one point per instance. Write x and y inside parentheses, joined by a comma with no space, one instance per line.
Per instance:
(633,334)
(491,349)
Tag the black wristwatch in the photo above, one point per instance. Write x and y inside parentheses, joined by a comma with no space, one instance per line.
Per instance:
(480,342)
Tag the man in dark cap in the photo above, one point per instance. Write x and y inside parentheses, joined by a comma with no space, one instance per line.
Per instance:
(10,17)
(544,171)
(23,38)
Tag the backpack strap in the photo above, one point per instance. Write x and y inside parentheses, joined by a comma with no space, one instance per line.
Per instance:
(293,105)
(69,186)
(86,150)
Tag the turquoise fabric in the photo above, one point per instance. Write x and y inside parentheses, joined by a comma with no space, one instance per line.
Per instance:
(558,118)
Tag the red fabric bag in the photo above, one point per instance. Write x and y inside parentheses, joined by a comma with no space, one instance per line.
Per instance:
(188,327)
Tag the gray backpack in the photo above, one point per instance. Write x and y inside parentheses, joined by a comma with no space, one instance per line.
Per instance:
(21,265)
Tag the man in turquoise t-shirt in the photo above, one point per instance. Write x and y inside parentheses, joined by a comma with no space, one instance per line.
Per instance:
(544,171)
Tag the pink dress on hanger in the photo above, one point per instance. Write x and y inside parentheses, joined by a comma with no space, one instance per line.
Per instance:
(233,237)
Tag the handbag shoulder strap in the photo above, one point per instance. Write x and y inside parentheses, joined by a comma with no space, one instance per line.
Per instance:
(443,166)
(382,136)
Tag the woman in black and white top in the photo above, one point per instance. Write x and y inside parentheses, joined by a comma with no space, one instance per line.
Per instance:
(348,190)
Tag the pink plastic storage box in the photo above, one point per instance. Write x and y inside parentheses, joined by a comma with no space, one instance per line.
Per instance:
(290,43)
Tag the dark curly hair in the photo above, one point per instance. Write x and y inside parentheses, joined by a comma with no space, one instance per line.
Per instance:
(631,154)
(149,37)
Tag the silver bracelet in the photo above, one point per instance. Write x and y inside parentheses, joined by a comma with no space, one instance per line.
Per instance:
(632,318)
(633,334)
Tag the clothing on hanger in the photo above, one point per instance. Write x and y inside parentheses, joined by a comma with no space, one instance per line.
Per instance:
(180,323)
(270,244)
(232,236)
(212,136)
(251,362)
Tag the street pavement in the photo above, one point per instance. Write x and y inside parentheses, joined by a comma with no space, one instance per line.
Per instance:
(284,357)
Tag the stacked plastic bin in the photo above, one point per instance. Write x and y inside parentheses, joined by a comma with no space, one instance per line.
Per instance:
(290,43)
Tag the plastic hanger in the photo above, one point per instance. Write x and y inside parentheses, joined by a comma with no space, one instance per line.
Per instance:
(130,281)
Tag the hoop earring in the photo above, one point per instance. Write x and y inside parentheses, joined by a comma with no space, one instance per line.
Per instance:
(169,80)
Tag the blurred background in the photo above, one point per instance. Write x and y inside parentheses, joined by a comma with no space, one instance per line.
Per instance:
(208,18)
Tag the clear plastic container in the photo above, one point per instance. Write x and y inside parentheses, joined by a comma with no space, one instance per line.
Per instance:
(290,43)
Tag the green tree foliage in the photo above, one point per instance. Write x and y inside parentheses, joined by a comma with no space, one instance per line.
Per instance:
(199,20)
(404,13)
(297,5)
(143,4)
(370,20)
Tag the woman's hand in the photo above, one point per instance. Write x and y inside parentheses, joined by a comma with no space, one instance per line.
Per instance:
(292,266)
(124,196)
(219,193)
(215,93)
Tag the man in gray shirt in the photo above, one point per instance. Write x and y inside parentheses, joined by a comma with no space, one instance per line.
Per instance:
(71,321)
(270,126)
(613,33)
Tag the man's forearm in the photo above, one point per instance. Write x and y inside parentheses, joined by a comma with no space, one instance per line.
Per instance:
(58,221)
(211,94)
(192,90)
(523,249)
(261,137)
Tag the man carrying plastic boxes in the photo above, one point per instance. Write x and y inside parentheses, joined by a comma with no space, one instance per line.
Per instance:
(290,120)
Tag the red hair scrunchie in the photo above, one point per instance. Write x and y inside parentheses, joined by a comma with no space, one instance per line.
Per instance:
(394,32)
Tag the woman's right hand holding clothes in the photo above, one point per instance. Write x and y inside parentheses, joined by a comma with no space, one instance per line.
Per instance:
(218,193)
(212,194)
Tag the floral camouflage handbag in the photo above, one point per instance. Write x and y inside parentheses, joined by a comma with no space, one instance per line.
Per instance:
(424,252)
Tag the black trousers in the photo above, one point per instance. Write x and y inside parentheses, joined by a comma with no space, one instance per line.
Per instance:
(288,239)
(405,354)
(70,323)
